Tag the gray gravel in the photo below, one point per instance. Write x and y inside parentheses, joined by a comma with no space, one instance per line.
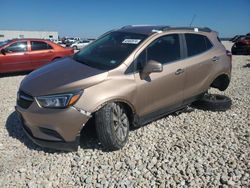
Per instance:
(192,149)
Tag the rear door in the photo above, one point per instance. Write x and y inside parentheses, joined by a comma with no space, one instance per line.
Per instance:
(41,53)
(198,64)
(16,57)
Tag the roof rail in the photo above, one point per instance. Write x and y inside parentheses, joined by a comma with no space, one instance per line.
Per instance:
(204,29)
(128,26)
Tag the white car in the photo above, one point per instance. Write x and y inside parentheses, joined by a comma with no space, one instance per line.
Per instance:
(79,44)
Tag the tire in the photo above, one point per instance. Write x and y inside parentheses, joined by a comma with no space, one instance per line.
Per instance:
(75,48)
(112,126)
(213,102)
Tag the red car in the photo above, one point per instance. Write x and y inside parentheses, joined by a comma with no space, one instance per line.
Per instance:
(29,54)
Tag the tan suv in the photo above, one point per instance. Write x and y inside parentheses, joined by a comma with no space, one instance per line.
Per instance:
(128,77)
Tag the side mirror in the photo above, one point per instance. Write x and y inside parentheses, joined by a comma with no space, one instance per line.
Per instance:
(151,66)
(3,51)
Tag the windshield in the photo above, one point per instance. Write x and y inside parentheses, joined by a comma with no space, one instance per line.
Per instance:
(110,50)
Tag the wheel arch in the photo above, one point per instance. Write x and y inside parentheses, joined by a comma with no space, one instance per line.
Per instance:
(221,82)
(125,103)
(55,58)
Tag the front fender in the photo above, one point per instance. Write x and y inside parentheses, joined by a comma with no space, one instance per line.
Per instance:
(120,89)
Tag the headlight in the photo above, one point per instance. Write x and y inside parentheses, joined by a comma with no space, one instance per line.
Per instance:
(58,101)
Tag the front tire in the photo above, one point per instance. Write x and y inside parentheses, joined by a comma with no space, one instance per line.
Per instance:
(112,126)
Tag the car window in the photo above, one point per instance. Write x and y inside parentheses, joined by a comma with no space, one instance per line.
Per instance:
(197,44)
(165,49)
(38,45)
(208,43)
(17,47)
(4,42)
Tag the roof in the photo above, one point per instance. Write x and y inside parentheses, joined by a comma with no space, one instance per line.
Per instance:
(16,39)
(142,29)
(149,29)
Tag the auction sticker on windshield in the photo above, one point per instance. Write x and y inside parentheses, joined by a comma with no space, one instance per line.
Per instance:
(131,41)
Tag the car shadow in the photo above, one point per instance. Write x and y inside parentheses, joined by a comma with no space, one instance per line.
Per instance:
(89,139)
(13,125)
(22,73)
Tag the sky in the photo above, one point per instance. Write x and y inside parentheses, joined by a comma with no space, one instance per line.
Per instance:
(91,18)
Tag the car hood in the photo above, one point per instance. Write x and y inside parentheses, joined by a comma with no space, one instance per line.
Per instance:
(63,75)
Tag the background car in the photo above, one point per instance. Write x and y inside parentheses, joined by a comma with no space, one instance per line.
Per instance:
(79,44)
(241,47)
(237,37)
(29,54)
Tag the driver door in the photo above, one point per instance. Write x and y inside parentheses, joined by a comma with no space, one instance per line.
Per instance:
(16,57)
(161,91)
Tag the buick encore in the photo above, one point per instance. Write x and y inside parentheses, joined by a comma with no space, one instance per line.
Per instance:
(126,78)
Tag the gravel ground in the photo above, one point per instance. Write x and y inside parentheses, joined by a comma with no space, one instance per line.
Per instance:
(192,149)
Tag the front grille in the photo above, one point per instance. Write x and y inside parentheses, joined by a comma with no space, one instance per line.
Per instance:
(24,100)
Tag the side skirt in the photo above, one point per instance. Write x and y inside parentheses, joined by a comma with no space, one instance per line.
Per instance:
(142,120)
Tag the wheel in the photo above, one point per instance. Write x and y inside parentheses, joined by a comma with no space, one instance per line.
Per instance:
(213,102)
(75,47)
(112,126)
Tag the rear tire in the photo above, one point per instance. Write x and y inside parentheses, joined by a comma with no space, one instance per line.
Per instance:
(213,102)
(112,126)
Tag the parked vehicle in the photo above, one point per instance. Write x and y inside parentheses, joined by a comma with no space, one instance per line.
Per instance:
(79,44)
(29,54)
(127,77)
(233,38)
(237,38)
(57,41)
(68,43)
(241,47)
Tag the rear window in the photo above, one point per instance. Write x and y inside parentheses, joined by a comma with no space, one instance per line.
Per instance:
(197,44)
(38,45)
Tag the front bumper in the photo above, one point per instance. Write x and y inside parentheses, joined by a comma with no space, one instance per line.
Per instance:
(53,128)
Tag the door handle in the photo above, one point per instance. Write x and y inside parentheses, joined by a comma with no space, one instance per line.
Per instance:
(215,58)
(179,71)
